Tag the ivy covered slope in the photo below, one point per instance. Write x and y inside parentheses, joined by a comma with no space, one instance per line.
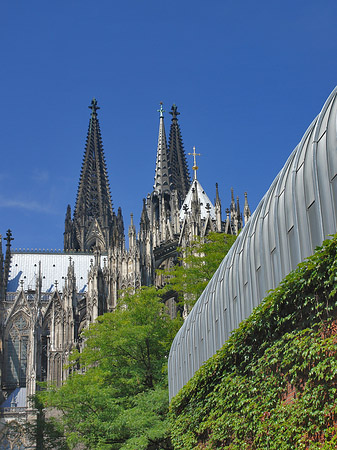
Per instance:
(273,385)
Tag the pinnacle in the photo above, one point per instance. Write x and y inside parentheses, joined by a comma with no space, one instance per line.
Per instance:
(174,112)
(93,200)
(177,159)
(93,107)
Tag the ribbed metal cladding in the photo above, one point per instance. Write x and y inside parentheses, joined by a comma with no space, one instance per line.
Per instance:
(296,214)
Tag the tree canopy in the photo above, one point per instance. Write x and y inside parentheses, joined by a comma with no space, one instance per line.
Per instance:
(198,263)
(116,397)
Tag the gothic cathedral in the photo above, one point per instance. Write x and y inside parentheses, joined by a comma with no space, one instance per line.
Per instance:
(48,298)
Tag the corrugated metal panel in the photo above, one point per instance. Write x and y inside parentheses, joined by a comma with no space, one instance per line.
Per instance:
(296,214)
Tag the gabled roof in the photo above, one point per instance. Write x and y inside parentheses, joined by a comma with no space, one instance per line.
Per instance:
(203,202)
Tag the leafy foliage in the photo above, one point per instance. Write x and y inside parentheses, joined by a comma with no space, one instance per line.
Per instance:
(240,398)
(197,266)
(118,398)
(46,432)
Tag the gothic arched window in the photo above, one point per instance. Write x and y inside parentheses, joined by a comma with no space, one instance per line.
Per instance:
(17,351)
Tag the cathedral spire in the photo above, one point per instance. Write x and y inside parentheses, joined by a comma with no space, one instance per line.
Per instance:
(93,209)
(178,165)
(94,107)
(162,178)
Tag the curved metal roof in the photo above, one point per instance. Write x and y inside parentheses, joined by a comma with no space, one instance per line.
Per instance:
(296,214)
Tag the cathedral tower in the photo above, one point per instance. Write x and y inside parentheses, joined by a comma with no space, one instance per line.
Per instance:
(94,220)
(179,171)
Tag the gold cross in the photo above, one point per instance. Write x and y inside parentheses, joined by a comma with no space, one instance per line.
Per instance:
(195,167)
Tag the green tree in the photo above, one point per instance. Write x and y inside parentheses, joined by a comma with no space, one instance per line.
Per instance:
(117,397)
(198,264)
(46,432)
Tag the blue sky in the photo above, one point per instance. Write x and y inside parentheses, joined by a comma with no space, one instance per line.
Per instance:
(248,79)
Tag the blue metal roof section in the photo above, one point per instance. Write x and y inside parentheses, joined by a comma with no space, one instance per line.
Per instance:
(296,214)
(24,268)
(17,399)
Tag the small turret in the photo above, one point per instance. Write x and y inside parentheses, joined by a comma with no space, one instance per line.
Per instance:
(8,239)
(232,207)
(217,208)
(246,210)
(120,227)
(144,219)
(147,237)
(68,226)
(132,235)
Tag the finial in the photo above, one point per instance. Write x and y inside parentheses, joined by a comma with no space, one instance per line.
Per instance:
(161,110)
(174,112)
(232,194)
(8,238)
(93,106)
(56,283)
(195,167)
(217,198)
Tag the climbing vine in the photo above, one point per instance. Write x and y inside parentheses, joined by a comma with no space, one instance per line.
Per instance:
(273,385)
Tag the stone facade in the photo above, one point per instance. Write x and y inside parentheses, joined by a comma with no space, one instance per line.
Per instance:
(47,299)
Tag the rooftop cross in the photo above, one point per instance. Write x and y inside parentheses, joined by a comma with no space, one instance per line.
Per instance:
(94,106)
(8,238)
(195,167)
(174,111)
(161,110)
